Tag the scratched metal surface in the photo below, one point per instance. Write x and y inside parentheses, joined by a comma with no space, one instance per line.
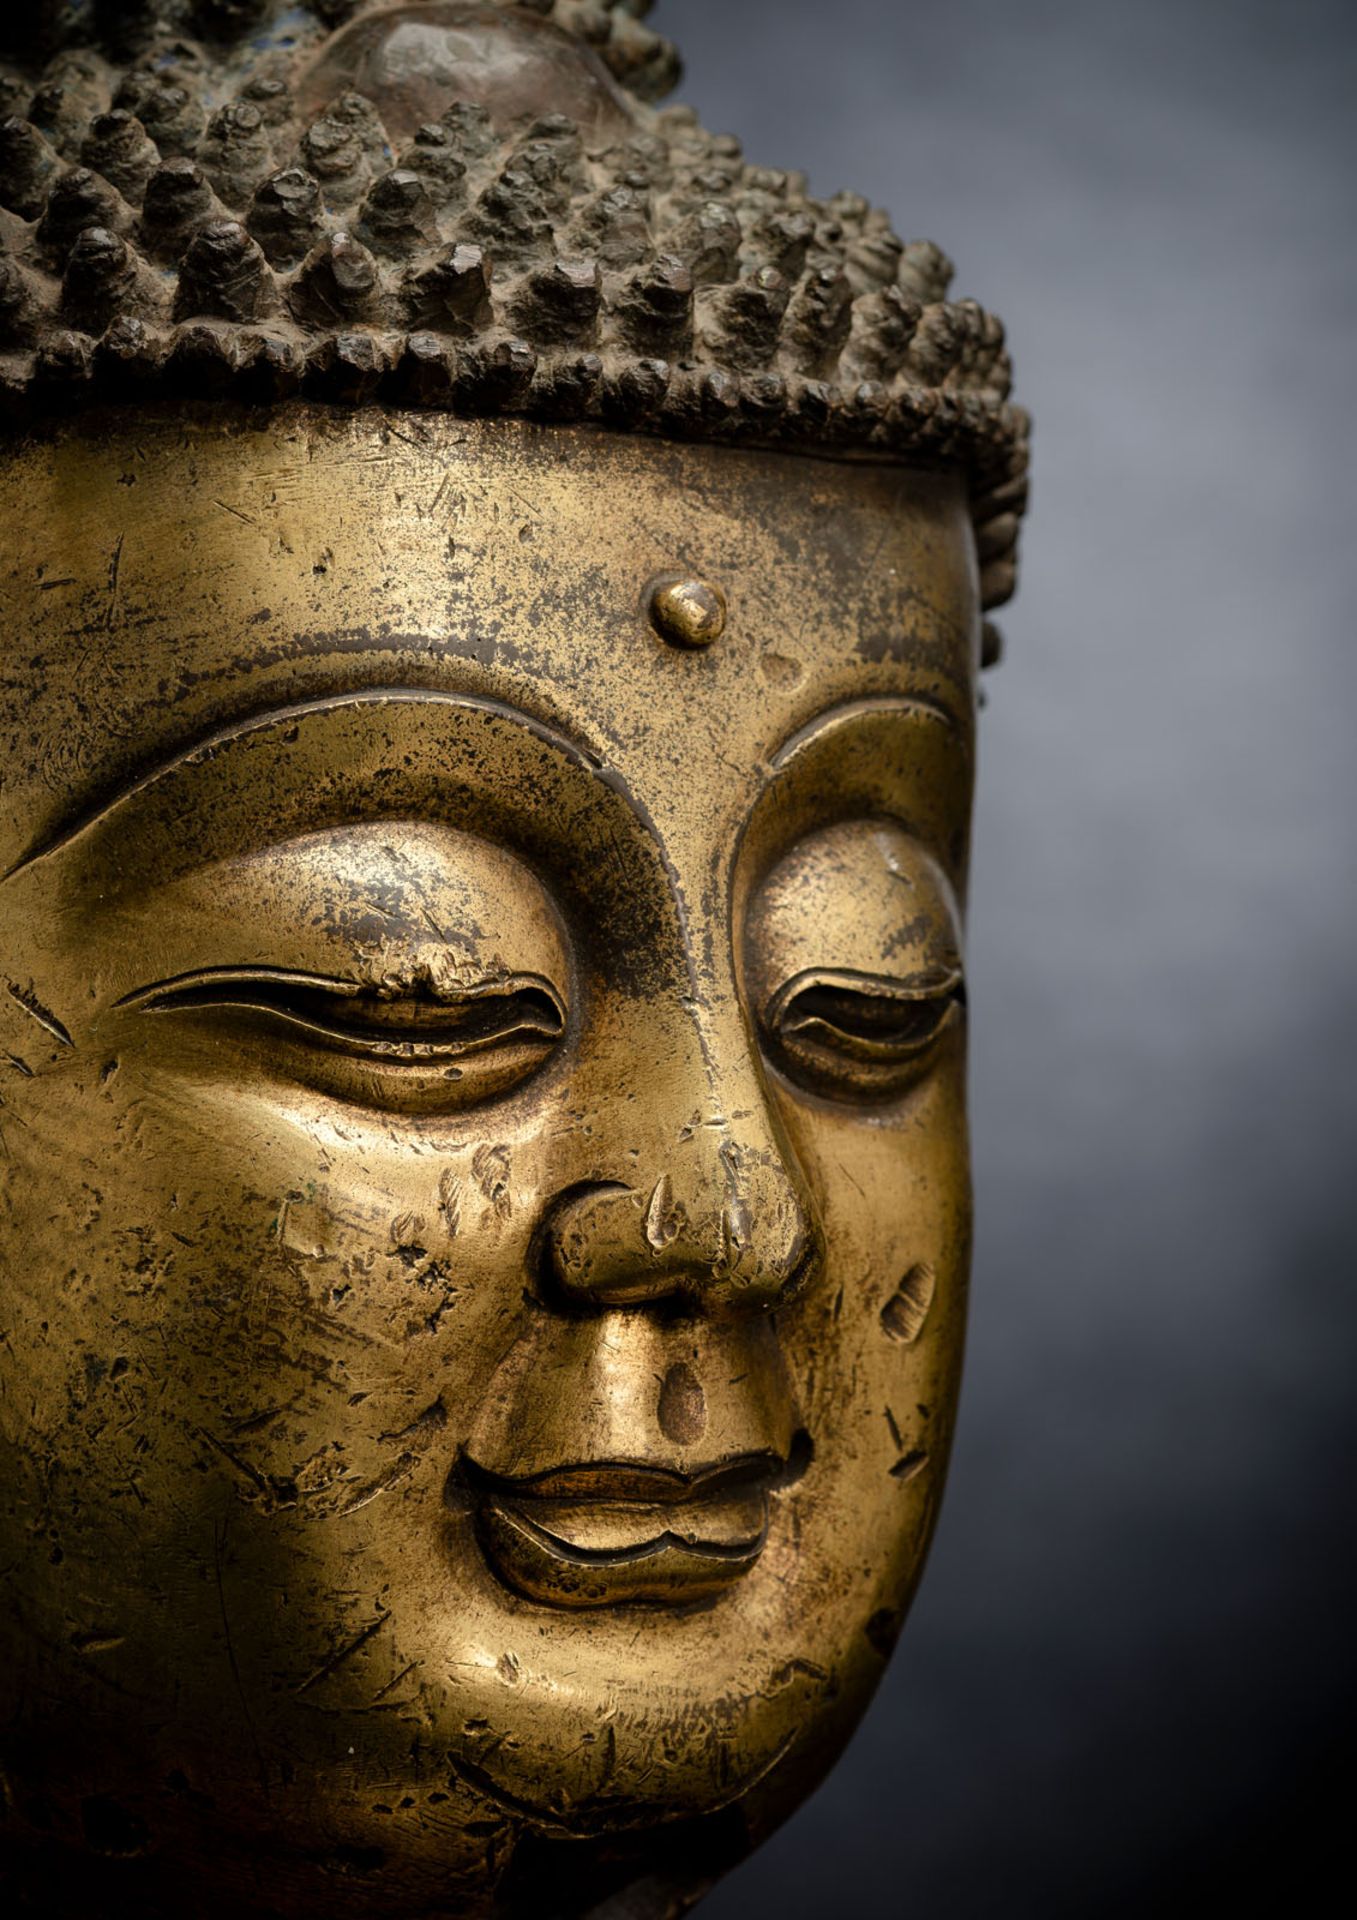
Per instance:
(1127,1664)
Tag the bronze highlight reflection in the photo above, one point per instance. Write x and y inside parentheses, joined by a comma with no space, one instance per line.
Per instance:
(503,1101)
(493,600)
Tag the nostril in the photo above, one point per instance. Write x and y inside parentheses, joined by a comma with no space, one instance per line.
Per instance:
(665,1217)
(800,1458)
(738,1224)
(606,1244)
(768,1266)
(803,1265)
(786,1277)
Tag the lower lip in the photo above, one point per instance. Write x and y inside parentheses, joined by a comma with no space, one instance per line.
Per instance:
(600,1554)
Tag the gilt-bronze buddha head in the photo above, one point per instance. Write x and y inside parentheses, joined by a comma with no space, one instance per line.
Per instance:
(494,592)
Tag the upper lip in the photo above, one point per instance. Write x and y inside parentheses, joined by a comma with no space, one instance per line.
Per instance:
(620,1482)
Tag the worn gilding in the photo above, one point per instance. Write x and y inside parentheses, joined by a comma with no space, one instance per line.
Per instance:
(487,701)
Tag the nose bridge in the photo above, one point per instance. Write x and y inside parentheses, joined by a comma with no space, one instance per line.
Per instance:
(726,1192)
(713,1206)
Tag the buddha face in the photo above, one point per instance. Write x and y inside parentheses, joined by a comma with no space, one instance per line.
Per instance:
(485,1198)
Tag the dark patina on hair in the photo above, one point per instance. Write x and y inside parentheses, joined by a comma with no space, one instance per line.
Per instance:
(198,197)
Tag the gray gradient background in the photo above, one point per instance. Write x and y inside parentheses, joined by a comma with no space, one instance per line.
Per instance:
(1128,1668)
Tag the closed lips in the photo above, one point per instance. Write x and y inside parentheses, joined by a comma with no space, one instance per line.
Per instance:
(602,1535)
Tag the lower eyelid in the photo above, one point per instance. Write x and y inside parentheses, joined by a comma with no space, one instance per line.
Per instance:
(928,1017)
(390,1046)
(820,1057)
(882,1050)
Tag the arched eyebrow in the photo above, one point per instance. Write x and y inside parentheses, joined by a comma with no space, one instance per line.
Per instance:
(869,707)
(905,757)
(218,739)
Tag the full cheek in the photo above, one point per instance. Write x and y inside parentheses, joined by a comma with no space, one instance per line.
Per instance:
(252,1339)
(875,1349)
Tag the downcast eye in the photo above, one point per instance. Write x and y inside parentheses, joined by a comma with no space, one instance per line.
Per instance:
(858,1036)
(385,1046)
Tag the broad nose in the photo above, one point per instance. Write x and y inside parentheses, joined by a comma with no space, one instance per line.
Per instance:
(719,1217)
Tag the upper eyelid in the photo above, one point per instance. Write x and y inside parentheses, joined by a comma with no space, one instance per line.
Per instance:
(388,988)
(933,983)
(510,1010)
(237,976)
